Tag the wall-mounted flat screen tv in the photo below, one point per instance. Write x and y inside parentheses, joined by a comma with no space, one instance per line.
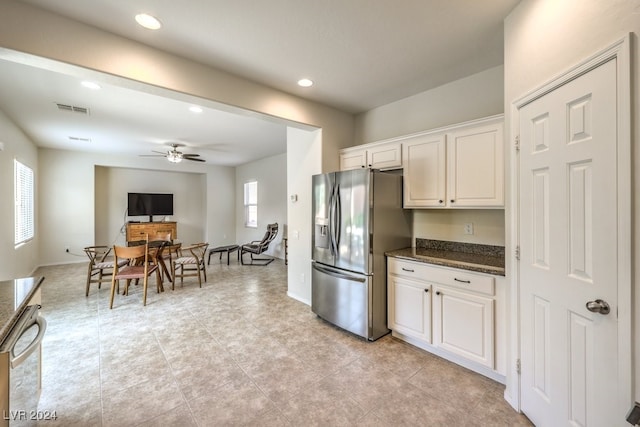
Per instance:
(150,204)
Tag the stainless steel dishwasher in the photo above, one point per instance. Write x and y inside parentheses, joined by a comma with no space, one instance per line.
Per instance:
(20,367)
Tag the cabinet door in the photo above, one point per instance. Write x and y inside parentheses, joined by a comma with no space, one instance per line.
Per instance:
(424,171)
(409,307)
(385,156)
(476,167)
(463,324)
(353,160)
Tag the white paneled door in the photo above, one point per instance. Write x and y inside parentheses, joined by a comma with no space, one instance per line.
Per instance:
(569,248)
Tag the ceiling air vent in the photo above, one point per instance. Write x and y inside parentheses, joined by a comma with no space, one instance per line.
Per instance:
(77,138)
(73,108)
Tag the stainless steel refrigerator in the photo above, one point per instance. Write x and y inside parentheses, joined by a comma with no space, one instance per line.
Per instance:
(357,217)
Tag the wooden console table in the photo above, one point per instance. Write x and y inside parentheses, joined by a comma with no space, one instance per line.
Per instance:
(140,230)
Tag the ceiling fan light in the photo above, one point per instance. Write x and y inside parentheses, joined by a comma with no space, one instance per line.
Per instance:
(174,157)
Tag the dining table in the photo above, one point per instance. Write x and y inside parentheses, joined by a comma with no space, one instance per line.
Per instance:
(156,249)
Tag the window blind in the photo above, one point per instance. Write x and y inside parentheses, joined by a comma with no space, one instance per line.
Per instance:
(24,196)
(251,204)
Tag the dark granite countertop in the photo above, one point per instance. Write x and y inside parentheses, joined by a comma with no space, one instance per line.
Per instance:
(14,298)
(466,256)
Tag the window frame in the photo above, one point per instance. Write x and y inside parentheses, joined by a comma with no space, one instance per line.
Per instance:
(251,203)
(24,203)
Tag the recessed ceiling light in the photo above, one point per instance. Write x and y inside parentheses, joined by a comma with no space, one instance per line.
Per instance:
(147,21)
(305,82)
(91,85)
(195,109)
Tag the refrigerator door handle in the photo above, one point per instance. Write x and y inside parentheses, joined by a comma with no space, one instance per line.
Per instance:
(338,217)
(333,220)
(332,204)
(330,226)
(339,275)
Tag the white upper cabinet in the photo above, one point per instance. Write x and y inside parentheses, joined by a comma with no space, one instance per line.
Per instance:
(457,167)
(353,159)
(476,166)
(375,156)
(424,171)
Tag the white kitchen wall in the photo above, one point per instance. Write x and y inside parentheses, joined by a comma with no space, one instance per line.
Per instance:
(271,175)
(20,261)
(304,161)
(544,38)
(479,95)
(440,224)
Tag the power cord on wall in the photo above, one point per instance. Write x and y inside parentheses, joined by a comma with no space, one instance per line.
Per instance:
(121,232)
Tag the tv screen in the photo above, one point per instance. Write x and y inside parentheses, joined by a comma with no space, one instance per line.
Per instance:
(139,204)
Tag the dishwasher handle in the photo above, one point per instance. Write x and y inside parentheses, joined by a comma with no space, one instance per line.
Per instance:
(35,319)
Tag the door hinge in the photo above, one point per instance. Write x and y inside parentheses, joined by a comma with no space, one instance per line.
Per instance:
(517,253)
(518,369)
(517,143)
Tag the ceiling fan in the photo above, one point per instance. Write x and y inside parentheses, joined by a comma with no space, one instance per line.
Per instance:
(174,155)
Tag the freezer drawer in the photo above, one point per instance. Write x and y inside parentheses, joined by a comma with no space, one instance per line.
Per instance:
(342,298)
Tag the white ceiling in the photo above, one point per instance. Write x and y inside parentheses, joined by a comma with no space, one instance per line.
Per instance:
(360,53)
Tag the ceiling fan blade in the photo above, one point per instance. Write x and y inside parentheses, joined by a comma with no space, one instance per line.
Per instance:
(152,155)
(159,152)
(191,155)
(193,159)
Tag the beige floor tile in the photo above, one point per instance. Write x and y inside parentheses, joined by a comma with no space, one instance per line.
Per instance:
(322,405)
(238,402)
(239,351)
(176,417)
(144,400)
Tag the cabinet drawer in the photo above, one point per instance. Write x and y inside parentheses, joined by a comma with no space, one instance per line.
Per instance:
(140,231)
(446,276)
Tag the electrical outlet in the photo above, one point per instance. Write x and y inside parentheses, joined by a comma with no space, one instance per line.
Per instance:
(468,228)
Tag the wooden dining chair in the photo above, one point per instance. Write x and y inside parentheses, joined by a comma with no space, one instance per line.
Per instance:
(138,267)
(170,253)
(190,262)
(100,266)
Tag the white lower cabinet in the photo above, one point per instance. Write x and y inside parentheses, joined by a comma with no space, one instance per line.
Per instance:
(447,311)
(410,307)
(463,324)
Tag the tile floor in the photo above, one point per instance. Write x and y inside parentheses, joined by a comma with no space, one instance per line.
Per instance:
(238,352)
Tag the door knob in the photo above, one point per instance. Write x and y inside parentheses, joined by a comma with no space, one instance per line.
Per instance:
(598,306)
